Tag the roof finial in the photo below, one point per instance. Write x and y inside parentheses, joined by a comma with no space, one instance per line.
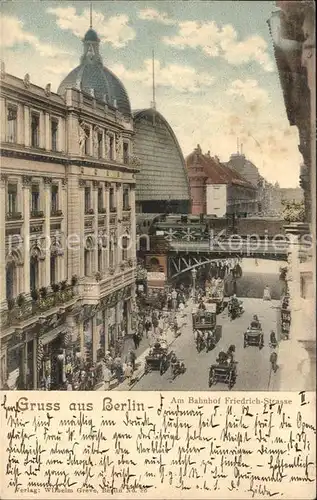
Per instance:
(90,26)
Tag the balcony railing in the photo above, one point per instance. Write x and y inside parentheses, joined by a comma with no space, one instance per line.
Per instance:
(37,214)
(113,209)
(14,216)
(102,210)
(21,310)
(56,213)
(89,211)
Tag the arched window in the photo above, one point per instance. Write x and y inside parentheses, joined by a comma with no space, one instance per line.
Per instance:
(34,272)
(11,280)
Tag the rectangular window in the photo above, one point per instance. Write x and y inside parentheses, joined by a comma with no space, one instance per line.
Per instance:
(54,198)
(12,198)
(53,267)
(124,248)
(99,145)
(87,199)
(112,199)
(100,199)
(35,198)
(111,253)
(87,141)
(35,130)
(111,147)
(126,198)
(54,130)
(126,153)
(12,122)
(99,259)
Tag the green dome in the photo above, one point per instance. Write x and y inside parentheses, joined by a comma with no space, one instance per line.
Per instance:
(91,36)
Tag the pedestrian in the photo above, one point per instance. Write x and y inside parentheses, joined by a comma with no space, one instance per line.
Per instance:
(273,361)
(128,373)
(106,375)
(135,340)
(132,359)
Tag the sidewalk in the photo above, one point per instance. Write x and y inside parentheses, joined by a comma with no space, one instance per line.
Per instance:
(143,349)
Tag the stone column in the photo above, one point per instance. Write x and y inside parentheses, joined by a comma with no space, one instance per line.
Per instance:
(26,183)
(106,327)
(63,268)
(119,224)
(95,186)
(42,131)
(46,281)
(47,142)
(107,207)
(3,183)
(133,241)
(3,115)
(20,125)
(81,207)
(35,371)
(95,338)
(27,126)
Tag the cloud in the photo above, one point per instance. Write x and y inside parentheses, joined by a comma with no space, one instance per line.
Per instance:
(221,41)
(114,30)
(13,34)
(155,15)
(176,76)
(250,92)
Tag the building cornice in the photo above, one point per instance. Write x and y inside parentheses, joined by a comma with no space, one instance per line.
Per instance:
(65,160)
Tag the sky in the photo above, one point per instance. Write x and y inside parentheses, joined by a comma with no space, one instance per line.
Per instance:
(215,73)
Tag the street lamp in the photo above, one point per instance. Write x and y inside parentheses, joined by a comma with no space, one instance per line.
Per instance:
(194,274)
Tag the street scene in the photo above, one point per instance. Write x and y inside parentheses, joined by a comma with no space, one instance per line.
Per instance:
(157,196)
(253,364)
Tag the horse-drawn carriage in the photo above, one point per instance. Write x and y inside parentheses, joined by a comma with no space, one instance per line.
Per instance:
(225,369)
(157,359)
(204,327)
(253,337)
(215,295)
(222,374)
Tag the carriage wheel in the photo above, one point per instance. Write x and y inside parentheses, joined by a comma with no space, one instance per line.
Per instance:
(162,366)
(261,344)
(211,380)
(231,380)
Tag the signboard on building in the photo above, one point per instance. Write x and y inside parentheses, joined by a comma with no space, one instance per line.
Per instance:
(216,199)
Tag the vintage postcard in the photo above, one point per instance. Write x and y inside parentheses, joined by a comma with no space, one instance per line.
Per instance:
(157,249)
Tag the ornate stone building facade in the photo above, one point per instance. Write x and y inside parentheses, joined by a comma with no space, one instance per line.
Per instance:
(68,242)
(294,37)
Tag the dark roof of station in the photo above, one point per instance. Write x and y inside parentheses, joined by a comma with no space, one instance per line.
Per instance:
(92,76)
(162,171)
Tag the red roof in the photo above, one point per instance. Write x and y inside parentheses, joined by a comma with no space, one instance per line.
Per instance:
(217,172)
